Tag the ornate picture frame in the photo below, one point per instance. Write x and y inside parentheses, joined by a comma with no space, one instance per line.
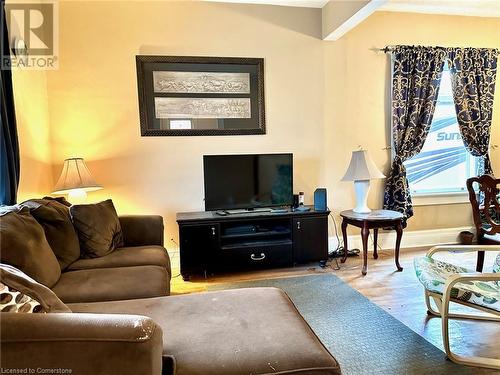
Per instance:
(189,95)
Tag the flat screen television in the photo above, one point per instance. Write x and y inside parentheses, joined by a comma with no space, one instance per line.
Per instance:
(248,181)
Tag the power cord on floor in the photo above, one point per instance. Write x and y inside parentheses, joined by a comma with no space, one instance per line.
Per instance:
(339,251)
(173,257)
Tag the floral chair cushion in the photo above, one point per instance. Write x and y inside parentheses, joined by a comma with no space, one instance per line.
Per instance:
(433,273)
(496,265)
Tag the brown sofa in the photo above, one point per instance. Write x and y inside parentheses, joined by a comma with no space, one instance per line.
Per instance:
(117,319)
(141,269)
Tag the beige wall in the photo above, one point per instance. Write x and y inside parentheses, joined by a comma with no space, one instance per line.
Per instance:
(323,99)
(30,95)
(93,96)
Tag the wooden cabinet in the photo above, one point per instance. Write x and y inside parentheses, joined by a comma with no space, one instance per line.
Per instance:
(310,238)
(198,247)
(211,243)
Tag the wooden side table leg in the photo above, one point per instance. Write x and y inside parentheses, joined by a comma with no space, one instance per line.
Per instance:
(375,238)
(399,235)
(365,232)
(344,237)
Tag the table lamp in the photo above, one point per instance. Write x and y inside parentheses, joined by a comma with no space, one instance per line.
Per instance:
(75,180)
(361,170)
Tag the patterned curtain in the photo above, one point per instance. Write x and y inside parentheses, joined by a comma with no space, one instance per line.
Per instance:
(416,76)
(473,72)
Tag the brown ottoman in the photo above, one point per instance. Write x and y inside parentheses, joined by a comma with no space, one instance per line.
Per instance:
(239,331)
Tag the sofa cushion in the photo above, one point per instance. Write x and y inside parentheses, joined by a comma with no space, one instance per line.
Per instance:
(24,246)
(54,217)
(142,230)
(20,293)
(113,284)
(241,331)
(98,228)
(126,257)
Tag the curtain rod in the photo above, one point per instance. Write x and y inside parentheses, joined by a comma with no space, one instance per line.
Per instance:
(391,48)
(386,49)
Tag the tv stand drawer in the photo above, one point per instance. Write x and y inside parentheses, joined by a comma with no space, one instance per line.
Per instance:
(256,256)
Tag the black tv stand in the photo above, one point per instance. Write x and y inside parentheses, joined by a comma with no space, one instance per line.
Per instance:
(211,243)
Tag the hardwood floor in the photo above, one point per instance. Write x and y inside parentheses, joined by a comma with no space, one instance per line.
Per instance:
(399,293)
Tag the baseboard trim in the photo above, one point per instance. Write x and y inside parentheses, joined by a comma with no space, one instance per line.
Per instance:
(415,238)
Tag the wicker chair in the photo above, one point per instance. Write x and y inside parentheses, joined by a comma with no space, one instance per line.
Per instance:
(445,283)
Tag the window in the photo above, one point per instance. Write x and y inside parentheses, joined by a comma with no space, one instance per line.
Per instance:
(444,164)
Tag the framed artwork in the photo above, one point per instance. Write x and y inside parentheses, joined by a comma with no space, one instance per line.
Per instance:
(182,95)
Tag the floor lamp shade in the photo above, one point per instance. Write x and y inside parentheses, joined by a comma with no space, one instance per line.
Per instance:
(75,176)
(361,170)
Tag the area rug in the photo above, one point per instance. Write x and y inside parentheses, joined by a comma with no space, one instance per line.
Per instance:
(363,337)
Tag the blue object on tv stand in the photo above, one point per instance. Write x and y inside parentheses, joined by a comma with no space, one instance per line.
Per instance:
(303,209)
(320,199)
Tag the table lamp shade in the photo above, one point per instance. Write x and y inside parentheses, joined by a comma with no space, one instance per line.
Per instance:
(361,170)
(362,167)
(75,175)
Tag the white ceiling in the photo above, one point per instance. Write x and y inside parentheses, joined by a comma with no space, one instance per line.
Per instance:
(478,8)
(287,3)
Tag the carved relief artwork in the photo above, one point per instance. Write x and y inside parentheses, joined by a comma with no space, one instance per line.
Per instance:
(202,107)
(201,82)
(200,95)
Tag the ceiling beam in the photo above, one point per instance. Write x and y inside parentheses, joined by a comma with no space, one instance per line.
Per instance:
(340,16)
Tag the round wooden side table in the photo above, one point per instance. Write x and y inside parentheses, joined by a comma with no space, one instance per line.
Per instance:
(373,220)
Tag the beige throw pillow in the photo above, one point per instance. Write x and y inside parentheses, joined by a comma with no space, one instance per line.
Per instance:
(12,300)
(20,293)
